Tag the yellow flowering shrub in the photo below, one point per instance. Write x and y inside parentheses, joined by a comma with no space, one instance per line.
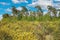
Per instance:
(25,30)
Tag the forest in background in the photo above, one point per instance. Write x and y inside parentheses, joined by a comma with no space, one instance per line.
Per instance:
(25,14)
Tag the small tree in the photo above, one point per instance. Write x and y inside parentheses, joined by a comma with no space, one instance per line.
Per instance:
(5,15)
(20,15)
(24,11)
(53,10)
(39,10)
(14,11)
(59,14)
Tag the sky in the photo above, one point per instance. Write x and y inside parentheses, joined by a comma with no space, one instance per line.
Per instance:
(6,5)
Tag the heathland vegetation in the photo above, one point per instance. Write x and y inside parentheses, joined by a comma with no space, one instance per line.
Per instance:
(25,25)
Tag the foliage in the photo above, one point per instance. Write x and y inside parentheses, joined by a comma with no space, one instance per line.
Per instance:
(29,30)
(22,26)
(5,15)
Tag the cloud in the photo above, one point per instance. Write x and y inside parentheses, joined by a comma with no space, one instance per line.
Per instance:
(41,3)
(19,8)
(57,4)
(4,3)
(15,1)
(18,1)
(8,10)
(1,17)
(45,3)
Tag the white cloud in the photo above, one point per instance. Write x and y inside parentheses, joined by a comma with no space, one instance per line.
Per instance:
(8,10)
(57,5)
(18,1)
(41,3)
(45,3)
(4,3)
(1,17)
(19,8)
(15,1)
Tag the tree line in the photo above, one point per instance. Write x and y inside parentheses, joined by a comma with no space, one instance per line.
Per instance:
(32,15)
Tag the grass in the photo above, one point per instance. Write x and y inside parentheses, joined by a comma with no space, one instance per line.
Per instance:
(28,30)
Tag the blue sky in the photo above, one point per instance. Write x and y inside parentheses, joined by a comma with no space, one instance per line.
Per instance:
(6,5)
